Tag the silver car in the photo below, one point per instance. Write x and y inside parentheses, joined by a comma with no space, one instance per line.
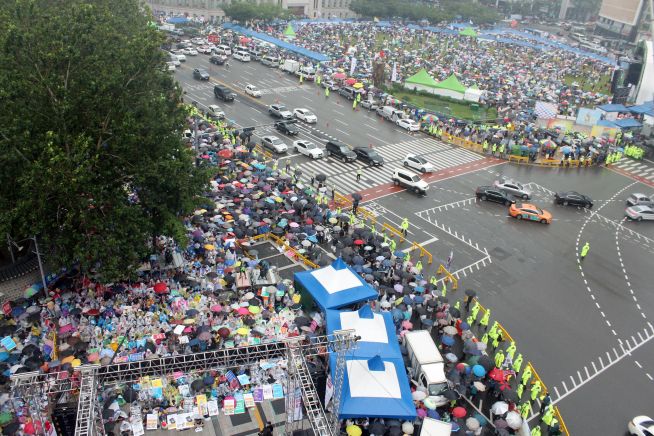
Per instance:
(639,213)
(639,199)
(513,187)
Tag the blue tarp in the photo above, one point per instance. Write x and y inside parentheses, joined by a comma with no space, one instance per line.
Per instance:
(613,108)
(376,330)
(375,388)
(606,123)
(645,108)
(627,123)
(334,286)
(314,56)
(177,20)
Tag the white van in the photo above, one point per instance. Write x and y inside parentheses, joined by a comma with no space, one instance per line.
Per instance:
(242,55)
(223,50)
(390,113)
(427,366)
(270,61)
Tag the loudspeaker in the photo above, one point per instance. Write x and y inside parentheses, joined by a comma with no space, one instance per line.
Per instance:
(64,418)
(633,73)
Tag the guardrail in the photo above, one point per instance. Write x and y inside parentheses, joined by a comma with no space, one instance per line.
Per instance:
(287,247)
(423,252)
(393,231)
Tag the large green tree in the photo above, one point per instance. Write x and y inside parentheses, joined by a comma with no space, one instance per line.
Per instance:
(90,133)
(412,10)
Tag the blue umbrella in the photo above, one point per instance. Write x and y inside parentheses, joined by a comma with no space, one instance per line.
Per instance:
(357,268)
(433,414)
(465,326)
(397,314)
(478,370)
(400,254)
(428,322)
(367,270)
(313,239)
(419,299)
(420,289)
(387,263)
(4,356)
(447,340)
(407,300)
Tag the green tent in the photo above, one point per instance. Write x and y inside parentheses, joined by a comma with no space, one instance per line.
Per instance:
(453,84)
(289,32)
(422,78)
(468,31)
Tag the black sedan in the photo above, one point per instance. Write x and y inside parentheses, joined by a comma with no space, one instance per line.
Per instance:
(287,128)
(218,60)
(573,198)
(489,193)
(369,156)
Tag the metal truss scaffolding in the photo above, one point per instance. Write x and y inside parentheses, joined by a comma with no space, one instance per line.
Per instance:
(34,388)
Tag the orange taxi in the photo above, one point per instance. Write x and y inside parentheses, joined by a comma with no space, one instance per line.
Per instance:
(527,211)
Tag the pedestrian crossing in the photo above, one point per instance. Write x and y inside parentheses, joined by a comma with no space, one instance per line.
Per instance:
(343,175)
(636,168)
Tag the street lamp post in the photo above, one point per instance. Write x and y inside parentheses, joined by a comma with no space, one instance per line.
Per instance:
(11,242)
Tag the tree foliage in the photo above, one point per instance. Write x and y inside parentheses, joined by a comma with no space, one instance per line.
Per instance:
(90,144)
(415,11)
(243,11)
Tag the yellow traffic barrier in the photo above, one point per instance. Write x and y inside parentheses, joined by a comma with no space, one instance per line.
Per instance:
(519,159)
(450,277)
(287,247)
(562,426)
(393,230)
(505,333)
(537,377)
(423,252)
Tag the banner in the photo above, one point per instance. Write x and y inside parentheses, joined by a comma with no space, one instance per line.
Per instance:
(588,117)
(353,65)
(394,73)
(546,110)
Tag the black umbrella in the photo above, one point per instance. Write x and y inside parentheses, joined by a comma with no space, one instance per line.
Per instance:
(33,363)
(357,196)
(486,362)
(130,395)
(321,177)
(456,313)
(377,428)
(197,385)
(451,394)
(301,321)
(471,293)
(510,395)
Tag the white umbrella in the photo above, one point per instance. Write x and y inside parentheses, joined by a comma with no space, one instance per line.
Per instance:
(449,330)
(513,420)
(418,396)
(500,408)
(480,386)
(472,424)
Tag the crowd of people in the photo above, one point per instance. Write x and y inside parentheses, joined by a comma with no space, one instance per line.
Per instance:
(216,293)
(512,76)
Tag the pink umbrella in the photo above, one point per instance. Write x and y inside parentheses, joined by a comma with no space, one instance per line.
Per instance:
(216,308)
(421,412)
(339,76)
(459,412)
(407,325)
(243,311)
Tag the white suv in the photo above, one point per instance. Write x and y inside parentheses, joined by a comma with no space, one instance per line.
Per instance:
(410,180)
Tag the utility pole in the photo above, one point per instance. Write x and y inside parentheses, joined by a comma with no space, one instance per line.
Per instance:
(11,249)
(565,4)
(38,258)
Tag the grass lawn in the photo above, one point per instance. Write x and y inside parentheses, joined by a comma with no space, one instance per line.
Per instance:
(603,85)
(436,104)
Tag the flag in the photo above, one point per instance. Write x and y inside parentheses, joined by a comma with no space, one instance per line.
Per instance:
(546,110)
(353,65)
(394,73)
(329,392)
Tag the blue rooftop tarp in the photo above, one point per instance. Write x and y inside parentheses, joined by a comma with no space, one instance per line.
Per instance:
(375,387)
(627,123)
(314,56)
(376,330)
(334,286)
(613,108)
(606,123)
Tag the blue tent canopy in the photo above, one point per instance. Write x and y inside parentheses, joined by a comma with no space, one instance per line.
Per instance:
(375,387)
(314,56)
(613,108)
(334,286)
(376,330)
(177,20)
(606,123)
(627,123)
(645,108)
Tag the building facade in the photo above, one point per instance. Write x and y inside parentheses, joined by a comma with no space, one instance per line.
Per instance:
(623,19)
(211,10)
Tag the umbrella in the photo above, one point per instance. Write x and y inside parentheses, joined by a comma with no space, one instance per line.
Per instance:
(510,395)
(451,394)
(471,293)
(418,395)
(456,313)
(513,420)
(500,408)
(459,412)
(451,357)
(321,177)
(480,386)
(486,362)
(479,370)
(447,340)
(449,330)
(353,430)
(472,424)
(429,404)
